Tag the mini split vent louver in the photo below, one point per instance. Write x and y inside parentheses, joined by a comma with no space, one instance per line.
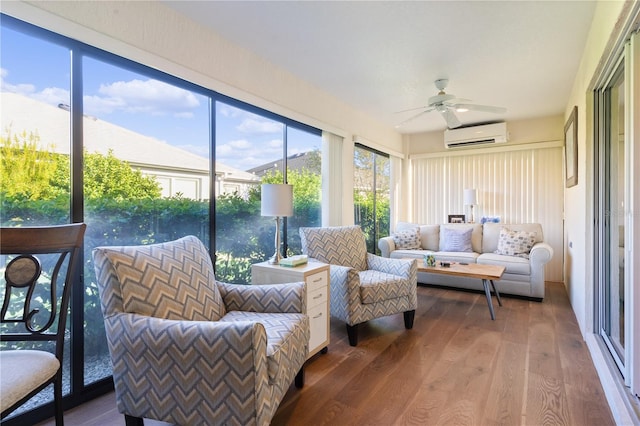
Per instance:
(466,137)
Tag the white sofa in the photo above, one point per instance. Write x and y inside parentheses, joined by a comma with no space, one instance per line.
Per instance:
(523,276)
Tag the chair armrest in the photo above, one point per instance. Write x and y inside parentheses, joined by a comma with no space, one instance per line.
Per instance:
(400,267)
(274,298)
(195,352)
(386,246)
(540,254)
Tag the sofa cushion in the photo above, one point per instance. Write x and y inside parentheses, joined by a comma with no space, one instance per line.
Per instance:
(173,280)
(283,331)
(457,256)
(514,265)
(408,239)
(515,243)
(456,239)
(376,286)
(429,234)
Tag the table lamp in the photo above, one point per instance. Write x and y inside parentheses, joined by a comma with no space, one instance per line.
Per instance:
(470,198)
(276,201)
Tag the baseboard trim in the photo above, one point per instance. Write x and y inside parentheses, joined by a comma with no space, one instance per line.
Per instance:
(617,394)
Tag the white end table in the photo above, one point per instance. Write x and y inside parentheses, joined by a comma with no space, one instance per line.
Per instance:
(316,275)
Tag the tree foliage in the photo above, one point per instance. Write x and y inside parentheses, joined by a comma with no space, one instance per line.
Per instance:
(31,173)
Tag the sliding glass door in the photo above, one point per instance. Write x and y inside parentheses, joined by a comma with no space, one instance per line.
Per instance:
(613,202)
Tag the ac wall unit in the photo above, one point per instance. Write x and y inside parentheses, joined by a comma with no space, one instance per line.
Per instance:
(486,134)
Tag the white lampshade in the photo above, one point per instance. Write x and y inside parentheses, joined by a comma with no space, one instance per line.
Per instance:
(277,200)
(470,197)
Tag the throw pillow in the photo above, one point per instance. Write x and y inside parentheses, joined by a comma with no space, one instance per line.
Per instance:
(515,243)
(408,239)
(457,240)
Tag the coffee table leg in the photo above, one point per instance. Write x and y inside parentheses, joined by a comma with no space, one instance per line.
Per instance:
(485,284)
(495,290)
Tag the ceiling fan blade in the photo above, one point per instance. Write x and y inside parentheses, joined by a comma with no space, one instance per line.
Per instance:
(484,108)
(450,118)
(410,109)
(414,117)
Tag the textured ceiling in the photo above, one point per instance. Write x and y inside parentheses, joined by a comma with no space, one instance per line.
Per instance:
(383,57)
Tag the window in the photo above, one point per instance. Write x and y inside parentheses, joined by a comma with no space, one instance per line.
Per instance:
(255,147)
(141,157)
(371,194)
(146,174)
(35,179)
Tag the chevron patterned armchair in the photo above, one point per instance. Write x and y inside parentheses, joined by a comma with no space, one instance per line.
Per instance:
(363,286)
(189,350)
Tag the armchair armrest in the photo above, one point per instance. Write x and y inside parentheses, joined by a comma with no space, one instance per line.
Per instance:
(386,246)
(197,355)
(274,298)
(400,267)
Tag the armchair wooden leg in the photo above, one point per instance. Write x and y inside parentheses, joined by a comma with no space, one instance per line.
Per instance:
(352,332)
(408,319)
(299,381)
(133,421)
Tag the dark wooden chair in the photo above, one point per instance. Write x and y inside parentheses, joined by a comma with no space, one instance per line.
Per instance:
(39,265)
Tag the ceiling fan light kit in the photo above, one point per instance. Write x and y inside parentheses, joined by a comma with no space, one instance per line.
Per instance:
(447,105)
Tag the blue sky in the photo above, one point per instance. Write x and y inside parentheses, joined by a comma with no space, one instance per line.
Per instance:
(41,70)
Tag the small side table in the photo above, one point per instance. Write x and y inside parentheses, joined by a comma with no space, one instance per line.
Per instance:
(316,275)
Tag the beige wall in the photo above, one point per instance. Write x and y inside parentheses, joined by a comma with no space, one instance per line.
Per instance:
(544,129)
(578,199)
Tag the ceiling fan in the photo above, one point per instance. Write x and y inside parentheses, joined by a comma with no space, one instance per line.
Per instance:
(447,105)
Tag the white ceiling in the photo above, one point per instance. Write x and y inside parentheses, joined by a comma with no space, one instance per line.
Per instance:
(383,57)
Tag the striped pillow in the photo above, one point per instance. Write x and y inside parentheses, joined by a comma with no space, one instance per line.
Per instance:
(457,240)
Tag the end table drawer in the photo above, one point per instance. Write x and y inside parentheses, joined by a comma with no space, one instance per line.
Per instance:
(316,281)
(317,325)
(316,297)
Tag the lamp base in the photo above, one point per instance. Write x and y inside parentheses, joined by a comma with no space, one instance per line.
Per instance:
(275,259)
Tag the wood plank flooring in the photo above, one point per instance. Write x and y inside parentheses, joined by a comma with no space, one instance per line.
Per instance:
(455,367)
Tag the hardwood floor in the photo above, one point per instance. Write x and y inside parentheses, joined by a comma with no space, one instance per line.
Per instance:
(456,366)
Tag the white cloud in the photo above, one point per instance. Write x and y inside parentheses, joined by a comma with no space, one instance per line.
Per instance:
(253,125)
(5,86)
(148,96)
(243,154)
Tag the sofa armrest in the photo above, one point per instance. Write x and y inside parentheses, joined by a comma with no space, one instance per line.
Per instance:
(386,246)
(275,298)
(192,350)
(540,254)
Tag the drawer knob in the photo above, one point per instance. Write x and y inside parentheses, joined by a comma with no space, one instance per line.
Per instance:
(318,316)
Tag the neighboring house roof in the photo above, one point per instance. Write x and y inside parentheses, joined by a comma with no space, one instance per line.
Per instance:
(20,113)
(294,162)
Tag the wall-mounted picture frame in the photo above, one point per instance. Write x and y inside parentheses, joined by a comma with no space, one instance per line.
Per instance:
(571,148)
(456,218)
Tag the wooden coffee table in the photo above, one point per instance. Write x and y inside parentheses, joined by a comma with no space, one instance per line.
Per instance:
(487,273)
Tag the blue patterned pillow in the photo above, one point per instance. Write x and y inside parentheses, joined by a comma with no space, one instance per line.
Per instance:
(515,243)
(456,240)
(408,239)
